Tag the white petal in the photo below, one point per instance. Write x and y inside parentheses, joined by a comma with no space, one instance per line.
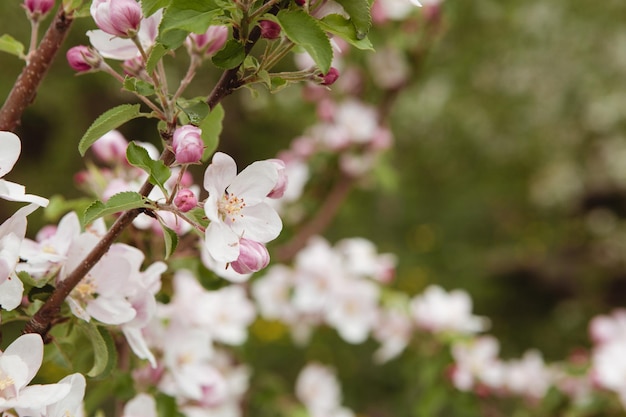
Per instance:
(260,223)
(11,292)
(138,344)
(16,192)
(254,183)
(219,174)
(73,401)
(221,242)
(111,310)
(112,47)
(10,148)
(29,348)
(37,396)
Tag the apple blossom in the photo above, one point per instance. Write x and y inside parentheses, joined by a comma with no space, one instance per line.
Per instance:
(236,206)
(253,256)
(187,144)
(185,200)
(142,405)
(110,148)
(18,365)
(10,149)
(283,180)
(82,58)
(117,17)
(208,43)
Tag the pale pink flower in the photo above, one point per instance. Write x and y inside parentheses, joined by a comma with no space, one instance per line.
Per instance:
(117,17)
(236,206)
(273,294)
(476,361)
(70,405)
(187,144)
(18,365)
(319,390)
(439,311)
(528,377)
(10,149)
(253,256)
(142,405)
(353,309)
(111,148)
(393,330)
(606,328)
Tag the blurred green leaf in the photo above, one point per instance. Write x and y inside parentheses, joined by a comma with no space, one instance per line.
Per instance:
(303,30)
(190,15)
(230,56)
(149,7)
(107,121)
(12,46)
(211,127)
(104,350)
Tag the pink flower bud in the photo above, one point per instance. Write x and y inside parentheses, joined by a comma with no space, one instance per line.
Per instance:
(82,58)
(281,185)
(111,147)
(187,144)
(330,77)
(38,7)
(269,29)
(253,256)
(208,43)
(117,17)
(185,200)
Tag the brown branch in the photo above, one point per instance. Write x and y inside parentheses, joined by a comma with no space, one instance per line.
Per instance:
(42,321)
(25,88)
(320,221)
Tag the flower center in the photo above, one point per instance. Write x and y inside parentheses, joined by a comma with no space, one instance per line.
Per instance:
(85,290)
(7,389)
(230,207)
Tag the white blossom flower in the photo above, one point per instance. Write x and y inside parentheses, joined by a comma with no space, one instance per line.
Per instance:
(237,206)
(10,149)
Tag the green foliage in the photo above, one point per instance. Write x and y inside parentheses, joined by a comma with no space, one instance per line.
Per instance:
(158,173)
(109,120)
(359,12)
(211,127)
(12,46)
(342,27)
(149,7)
(306,32)
(170,238)
(104,349)
(126,200)
(230,56)
(190,15)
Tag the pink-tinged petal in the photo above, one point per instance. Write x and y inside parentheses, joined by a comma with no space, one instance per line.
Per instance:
(149,28)
(254,183)
(112,47)
(11,292)
(14,367)
(221,242)
(79,248)
(37,396)
(221,269)
(73,401)
(10,148)
(29,348)
(138,344)
(260,223)
(219,174)
(111,310)
(77,309)
(16,192)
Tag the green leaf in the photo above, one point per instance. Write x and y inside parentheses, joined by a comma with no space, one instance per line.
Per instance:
(156,53)
(157,171)
(230,56)
(104,352)
(149,7)
(171,240)
(190,15)
(342,27)
(107,121)
(11,45)
(196,111)
(211,128)
(303,30)
(139,86)
(123,201)
(172,39)
(359,12)
(27,279)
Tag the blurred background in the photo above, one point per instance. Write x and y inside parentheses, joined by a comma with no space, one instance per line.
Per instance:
(508,173)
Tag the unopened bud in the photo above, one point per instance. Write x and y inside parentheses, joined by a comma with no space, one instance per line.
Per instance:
(208,43)
(187,144)
(253,256)
(185,200)
(111,147)
(117,17)
(281,185)
(269,29)
(330,77)
(82,58)
(38,8)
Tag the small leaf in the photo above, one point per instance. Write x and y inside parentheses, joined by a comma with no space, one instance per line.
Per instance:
(359,12)
(104,352)
(172,39)
(107,121)
(303,30)
(196,111)
(27,279)
(211,128)
(171,240)
(123,201)
(149,7)
(11,45)
(139,86)
(342,27)
(230,56)
(190,15)
(157,52)
(157,171)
